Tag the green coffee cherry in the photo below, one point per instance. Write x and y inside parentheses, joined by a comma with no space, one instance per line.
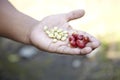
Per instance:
(56,33)
(54,40)
(45,28)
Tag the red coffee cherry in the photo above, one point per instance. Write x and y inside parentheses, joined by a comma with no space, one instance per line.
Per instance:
(80,43)
(86,40)
(71,38)
(73,44)
(75,35)
(77,40)
(80,37)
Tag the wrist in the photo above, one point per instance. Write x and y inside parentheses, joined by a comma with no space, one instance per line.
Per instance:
(30,30)
(14,24)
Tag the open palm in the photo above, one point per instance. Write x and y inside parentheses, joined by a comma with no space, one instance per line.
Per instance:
(39,38)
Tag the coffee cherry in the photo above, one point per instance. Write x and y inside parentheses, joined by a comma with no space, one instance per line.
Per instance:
(80,37)
(54,40)
(56,33)
(45,27)
(86,39)
(77,40)
(75,35)
(71,38)
(80,43)
(73,44)
(63,38)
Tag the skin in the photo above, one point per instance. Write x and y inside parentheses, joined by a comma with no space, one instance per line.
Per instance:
(24,29)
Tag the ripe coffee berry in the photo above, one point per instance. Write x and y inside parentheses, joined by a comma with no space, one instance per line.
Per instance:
(73,44)
(71,38)
(77,40)
(80,37)
(86,40)
(75,35)
(80,43)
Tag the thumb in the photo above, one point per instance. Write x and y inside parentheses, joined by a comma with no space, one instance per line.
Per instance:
(74,15)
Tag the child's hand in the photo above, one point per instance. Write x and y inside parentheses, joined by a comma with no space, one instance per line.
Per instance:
(20,27)
(41,40)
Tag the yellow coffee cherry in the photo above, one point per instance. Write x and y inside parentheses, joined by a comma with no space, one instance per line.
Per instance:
(47,31)
(56,34)
(51,35)
(63,38)
(59,30)
(58,37)
(65,35)
(52,30)
(61,34)
(54,40)
(45,28)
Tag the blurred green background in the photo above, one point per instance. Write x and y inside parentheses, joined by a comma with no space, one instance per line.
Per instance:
(102,19)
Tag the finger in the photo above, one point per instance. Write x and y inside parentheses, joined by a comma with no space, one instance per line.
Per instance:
(86,50)
(94,43)
(68,50)
(74,15)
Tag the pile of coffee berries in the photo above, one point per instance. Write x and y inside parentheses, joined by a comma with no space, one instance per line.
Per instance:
(56,33)
(77,40)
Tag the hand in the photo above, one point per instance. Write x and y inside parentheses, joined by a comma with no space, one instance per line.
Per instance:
(40,39)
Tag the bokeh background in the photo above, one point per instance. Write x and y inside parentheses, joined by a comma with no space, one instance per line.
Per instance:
(102,19)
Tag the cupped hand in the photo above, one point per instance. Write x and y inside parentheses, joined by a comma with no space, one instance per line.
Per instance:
(41,40)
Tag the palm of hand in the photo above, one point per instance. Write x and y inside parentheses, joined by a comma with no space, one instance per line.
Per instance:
(40,39)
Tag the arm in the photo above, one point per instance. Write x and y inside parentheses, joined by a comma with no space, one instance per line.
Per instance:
(22,28)
(14,24)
